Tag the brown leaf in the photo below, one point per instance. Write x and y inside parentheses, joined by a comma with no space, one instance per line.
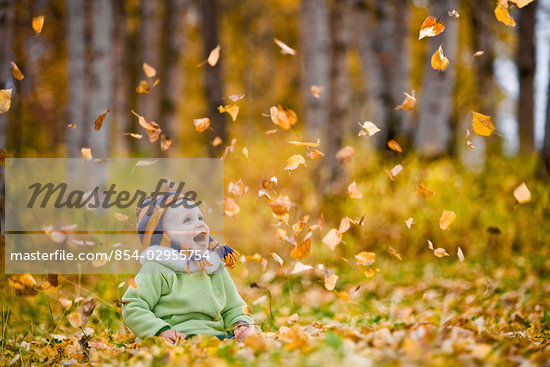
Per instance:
(133,135)
(237,188)
(5,100)
(100,119)
(17,74)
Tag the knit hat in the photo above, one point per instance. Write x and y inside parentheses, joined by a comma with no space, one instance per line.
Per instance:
(151,231)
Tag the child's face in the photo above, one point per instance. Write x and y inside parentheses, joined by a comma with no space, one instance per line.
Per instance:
(186,226)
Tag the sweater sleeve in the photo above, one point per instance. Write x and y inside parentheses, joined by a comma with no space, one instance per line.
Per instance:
(235,306)
(137,313)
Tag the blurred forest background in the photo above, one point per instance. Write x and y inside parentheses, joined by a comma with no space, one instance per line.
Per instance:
(327,67)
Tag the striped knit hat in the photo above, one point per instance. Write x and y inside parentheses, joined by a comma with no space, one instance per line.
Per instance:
(151,232)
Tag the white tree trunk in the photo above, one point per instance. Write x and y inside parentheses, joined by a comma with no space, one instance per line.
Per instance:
(315,59)
(433,135)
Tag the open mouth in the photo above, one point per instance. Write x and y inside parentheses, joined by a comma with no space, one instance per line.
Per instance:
(201,238)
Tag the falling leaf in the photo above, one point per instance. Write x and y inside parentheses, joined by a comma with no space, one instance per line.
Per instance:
(522,194)
(230,207)
(100,119)
(482,124)
(409,222)
(454,13)
(395,171)
(423,191)
(371,272)
(149,70)
(75,319)
(395,253)
(277,258)
(303,249)
(133,135)
(214,56)
(71,126)
(430,28)
(408,103)
(368,128)
(231,109)
(132,283)
(393,145)
(365,258)
(298,226)
(446,219)
(343,295)
(502,15)
(294,162)
(120,216)
(5,100)
(280,207)
(330,281)
(283,117)
(271,132)
(143,87)
(236,97)
(66,303)
(17,74)
(440,252)
(299,268)
(285,50)
(237,188)
(460,254)
(345,155)
(202,124)
(38,24)
(316,90)
(332,239)
(439,61)
(217,141)
(521,3)
(165,142)
(353,192)
(304,143)
(344,225)
(86,153)
(479,53)
(314,154)
(430,245)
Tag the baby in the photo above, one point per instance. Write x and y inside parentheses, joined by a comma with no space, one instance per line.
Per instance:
(183,287)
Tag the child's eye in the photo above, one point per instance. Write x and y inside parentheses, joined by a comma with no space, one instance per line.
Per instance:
(187,220)
(200,218)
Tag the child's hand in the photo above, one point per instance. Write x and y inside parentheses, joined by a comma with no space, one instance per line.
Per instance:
(241,332)
(172,336)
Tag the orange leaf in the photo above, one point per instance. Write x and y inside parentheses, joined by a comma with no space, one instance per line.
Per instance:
(149,70)
(231,109)
(365,258)
(446,219)
(304,143)
(294,162)
(440,252)
(330,281)
(143,87)
(303,249)
(316,90)
(430,28)
(371,272)
(521,3)
(502,15)
(408,103)
(283,117)
(86,153)
(202,124)
(5,100)
(482,124)
(17,74)
(393,145)
(353,192)
(230,207)
(344,295)
(423,191)
(217,141)
(439,61)
(165,143)
(38,24)
(395,253)
(314,154)
(345,155)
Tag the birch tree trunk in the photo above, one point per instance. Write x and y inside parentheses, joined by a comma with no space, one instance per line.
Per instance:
(433,135)
(214,75)
(172,74)
(102,72)
(315,59)
(546,144)
(76,100)
(526,69)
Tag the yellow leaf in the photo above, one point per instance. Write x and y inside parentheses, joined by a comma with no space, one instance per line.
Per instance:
(303,248)
(395,253)
(368,128)
(99,121)
(231,109)
(330,281)
(23,281)
(314,154)
(430,28)
(371,272)
(423,191)
(17,74)
(86,153)
(446,219)
(304,143)
(365,258)
(521,3)
(482,124)
(280,206)
(294,162)
(344,295)
(5,100)
(440,252)
(439,61)
(298,226)
(38,24)
(143,87)
(230,207)
(316,90)
(502,15)
(522,194)
(149,70)
(285,50)
(393,145)
(353,192)
(283,117)
(202,124)
(332,238)
(214,56)
(408,103)
(395,171)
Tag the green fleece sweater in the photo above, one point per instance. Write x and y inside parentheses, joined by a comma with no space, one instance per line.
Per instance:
(196,303)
